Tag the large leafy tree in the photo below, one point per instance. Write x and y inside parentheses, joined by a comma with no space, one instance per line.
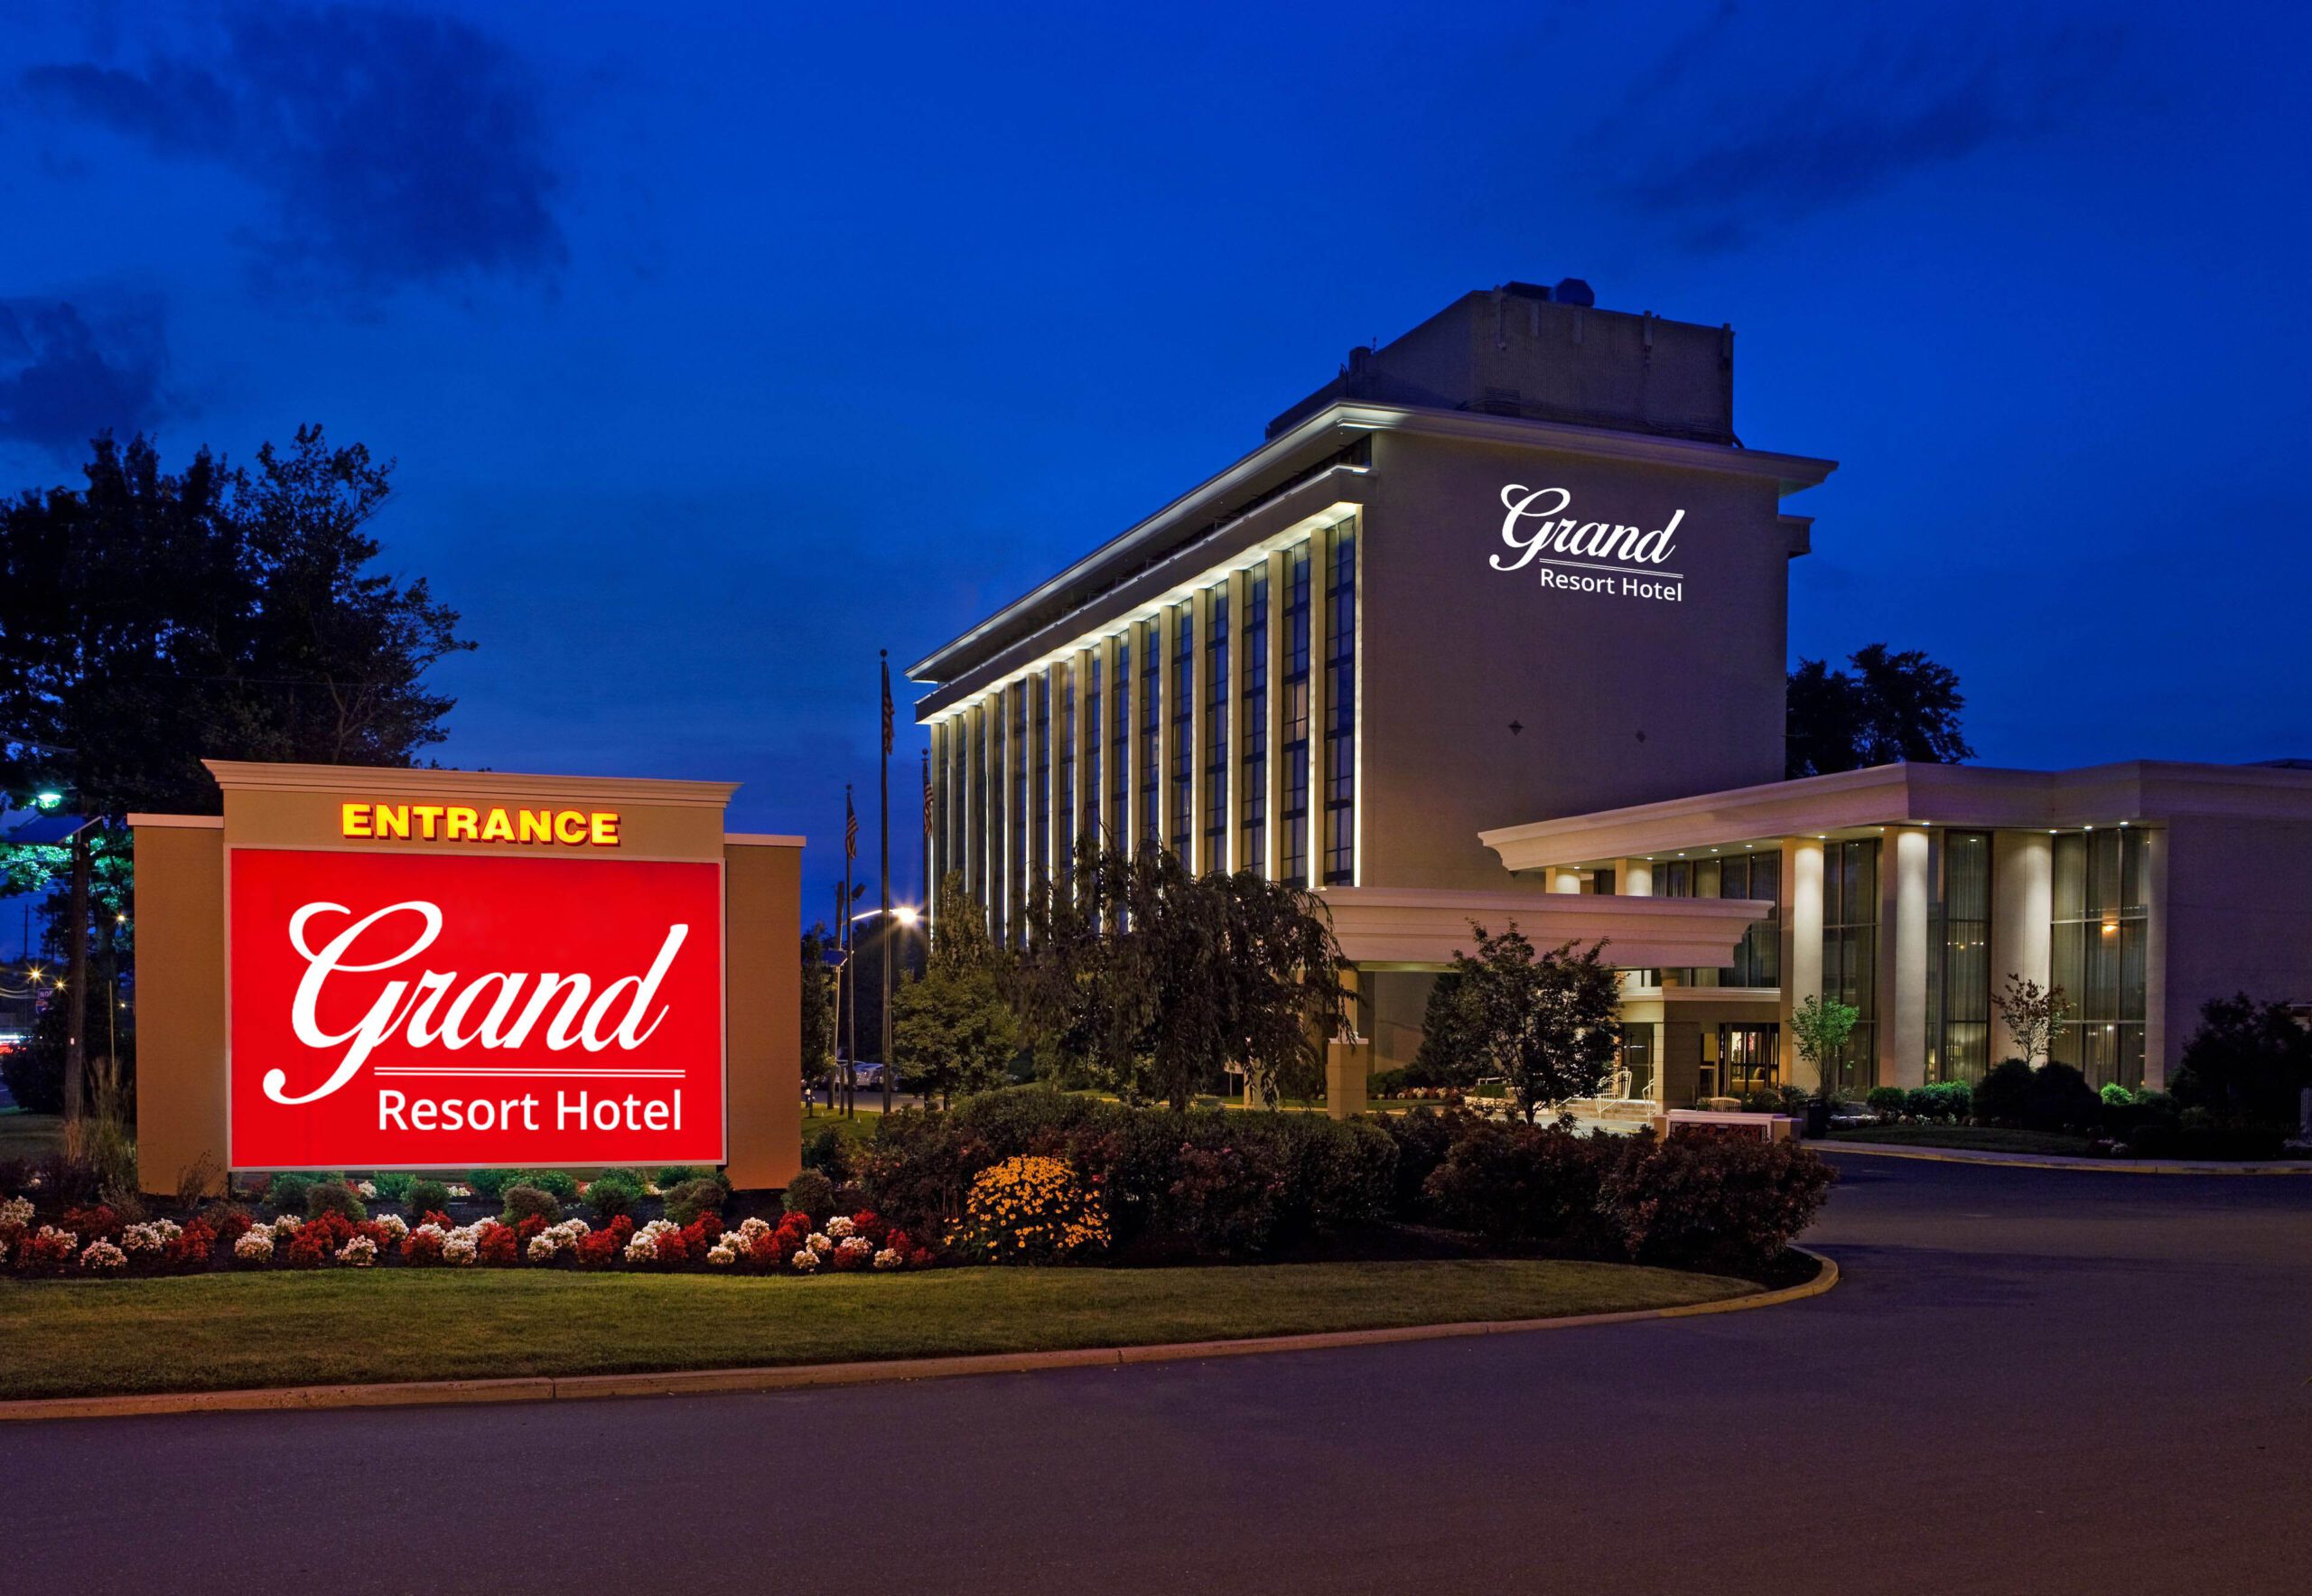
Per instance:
(2247,1058)
(149,620)
(1888,707)
(1545,1022)
(1139,974)
(951,1027)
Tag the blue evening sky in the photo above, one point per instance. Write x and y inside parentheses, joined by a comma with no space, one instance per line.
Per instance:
(720,348)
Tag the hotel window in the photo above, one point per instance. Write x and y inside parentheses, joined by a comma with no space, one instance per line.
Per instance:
(1216,732)
(1958,952)
(1015,921)
(1040,845)
(2102,915)
(1063,837)
(1120,749)
(991,815)
(975,811)
(1092,737)
(1151,732)
(1183,692)
(1292,861)
(1758,957)
(1850,954)
(1252,789)
(1340,707)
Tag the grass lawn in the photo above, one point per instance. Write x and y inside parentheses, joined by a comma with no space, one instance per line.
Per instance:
(30,1135)
(207,1332)
(1970,1138)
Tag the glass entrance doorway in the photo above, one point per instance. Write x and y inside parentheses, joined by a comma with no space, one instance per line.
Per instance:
(1747,1060)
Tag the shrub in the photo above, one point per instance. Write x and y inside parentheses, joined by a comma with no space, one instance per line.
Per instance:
(2061,1101)
(428,1196)
(809,1193)
(612,1193)
(526,1201)
(689,1200)
(334,1197)
(490,1184)
(1386,1083)
(919,1168)
(828,1150)
(1423,1138)
(286,1192)
(2247,1061)
(2115,1096)
(1888,1099)
(392,1185)
(1534,1182)
(1704,1200)
(677,1174)
(560,1184)
(1032,1209)
(1943,1099)
(2003,1092)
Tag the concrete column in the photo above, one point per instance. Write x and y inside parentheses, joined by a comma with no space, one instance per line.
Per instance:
(1348,1059)
(1319,700)
(974,859)
(1280,571)
(1633,878)
(1032,754)
(1086,801)
(1240,598)
(1802,947)
(1168,638)
(2022,909)
(1201,726)
(1903,856)
(1007,704)
(2157,1065)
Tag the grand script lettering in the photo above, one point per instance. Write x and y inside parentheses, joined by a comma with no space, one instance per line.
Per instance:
(1537,524)
(496,1009)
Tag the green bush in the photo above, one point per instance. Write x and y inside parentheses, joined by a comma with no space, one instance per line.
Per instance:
(1943,1099)
(560,1183)
(490,1184)
(1386,1083)
(2004,1091)
(2115,1096)
(524,1200)
(1527,1182)
(1422,1137)
(829,1151)
(1705,1202)
(334,1197)
(690,1199)
(2051,1098)
(1888,1099)
(286,1192)
(611,1193)
(811,1193)
(676,1174)
(2249,1061)
(427,1195)
(392,1185)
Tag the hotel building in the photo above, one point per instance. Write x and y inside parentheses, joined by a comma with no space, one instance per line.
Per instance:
(1492,628)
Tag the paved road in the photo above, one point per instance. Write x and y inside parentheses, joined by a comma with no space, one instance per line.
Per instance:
(2029,1381)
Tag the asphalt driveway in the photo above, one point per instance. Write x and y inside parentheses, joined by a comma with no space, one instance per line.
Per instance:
(2028,1381)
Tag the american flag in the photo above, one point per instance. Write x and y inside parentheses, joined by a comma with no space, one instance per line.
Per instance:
(928,810)
(850,827)
(888,715)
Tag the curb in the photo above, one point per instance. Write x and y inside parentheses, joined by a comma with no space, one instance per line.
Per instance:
(713,1381)
(2032,1161)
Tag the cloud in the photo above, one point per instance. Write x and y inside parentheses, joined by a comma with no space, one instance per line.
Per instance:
(394,148)
(63,379)
(1772,150)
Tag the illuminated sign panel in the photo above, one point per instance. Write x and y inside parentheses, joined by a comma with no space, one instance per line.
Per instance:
(406,1010)
(461,823)
(1568,555)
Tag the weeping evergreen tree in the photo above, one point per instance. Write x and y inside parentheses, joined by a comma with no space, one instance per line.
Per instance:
(1151,980)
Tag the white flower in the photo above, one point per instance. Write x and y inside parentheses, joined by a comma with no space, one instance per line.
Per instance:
(394,1226)
(457,1190)
(721,1254)
(62,1240)
(287,1226)
(150,1237)
(102,1255)
(806,1260)
(360,1252)
(854,1246)
(819,1243)
(254,1246)
(16,1210)
(542,1247)
(459,1247)
(366,1188)
(889,1258)
(431,1232)
(750,1228)
(840,1228)
(643,1248)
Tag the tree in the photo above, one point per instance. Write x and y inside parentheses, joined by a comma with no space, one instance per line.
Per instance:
(1150,979)
(1546,1024)
(2250,1059)
(951,1027)
(2032,1013)
(1451,1051)
(1893,706)
(1820,1029)
(818,1004)
(148,620)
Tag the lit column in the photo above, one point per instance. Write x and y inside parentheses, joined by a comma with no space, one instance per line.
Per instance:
(1200,729)
(1128,670)
(1280,573)
(1006,797)
(2022,912)
(1802,944)
(1240,598)
(1086,801)
(1902,1045)
(1319,697)
(2155,962)
(938,818)
(1564,879)
(974,859)
(1167,639)
(1633,878)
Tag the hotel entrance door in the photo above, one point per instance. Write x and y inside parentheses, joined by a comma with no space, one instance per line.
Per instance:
(1746,1061)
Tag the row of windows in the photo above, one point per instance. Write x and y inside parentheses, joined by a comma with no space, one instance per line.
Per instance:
(1204,660)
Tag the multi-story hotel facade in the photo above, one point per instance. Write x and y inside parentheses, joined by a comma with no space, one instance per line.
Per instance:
(1493,628)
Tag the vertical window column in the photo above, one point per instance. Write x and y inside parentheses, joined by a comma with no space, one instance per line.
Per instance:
(1958,951)
(1213,725)
(1292,854)
(1181,829)
(1015,880)
(1096,795)
(1149,820)
(2100,922)
(1063,787)
(1252,784)
(1039,837)
(1340,707)
(1120,743)
(1850,954)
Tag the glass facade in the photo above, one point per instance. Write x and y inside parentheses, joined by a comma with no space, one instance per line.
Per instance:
(1094,674)
(1758,958)
(2101,916)
(1850,954)
(1120,749)
(1063,819)
(1151,732)
(1216,705)
(1181,831)
(1340,706)
(1958,954)
(1252,787)
(1040,842)
(1016,883)
(1292,854)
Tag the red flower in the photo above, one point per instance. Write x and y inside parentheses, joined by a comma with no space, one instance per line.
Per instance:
(421,1248)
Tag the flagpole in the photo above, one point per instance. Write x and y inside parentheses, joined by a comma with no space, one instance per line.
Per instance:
(851,947)
(883,921)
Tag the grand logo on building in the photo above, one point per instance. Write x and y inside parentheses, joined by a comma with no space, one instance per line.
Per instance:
(399,1011)
(1569,555)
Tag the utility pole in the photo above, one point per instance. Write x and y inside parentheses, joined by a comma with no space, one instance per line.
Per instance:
(76,984)
(850,944)
(883,921)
